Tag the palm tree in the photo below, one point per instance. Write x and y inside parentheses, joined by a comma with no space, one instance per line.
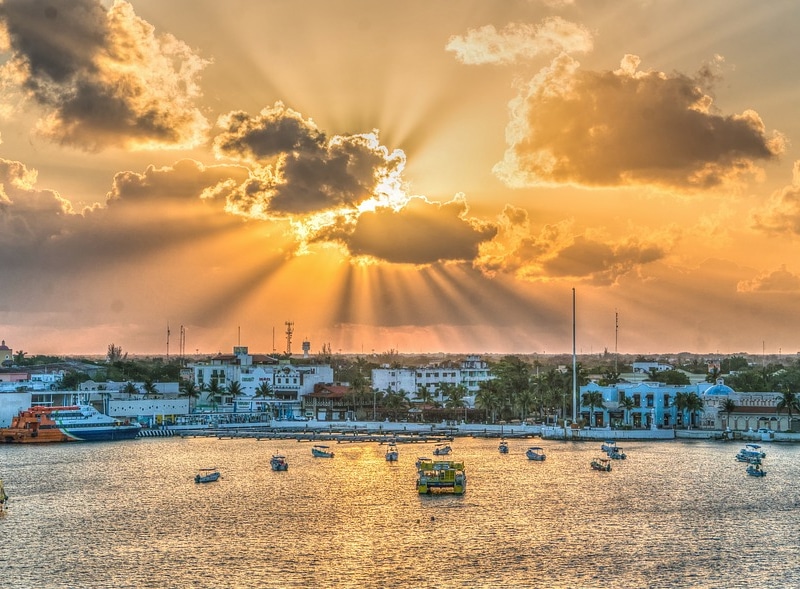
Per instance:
(694,404)
(789,401)
(150,389)
(488,398)
(680,404)
(190,390)
(627,404)
(264,390)
(395,403)
(592,399)
(455,396)
(130,389)
(424,397)
(214,393)
(728,407)
(234,390)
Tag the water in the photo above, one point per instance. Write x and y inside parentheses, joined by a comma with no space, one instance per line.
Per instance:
(128,515)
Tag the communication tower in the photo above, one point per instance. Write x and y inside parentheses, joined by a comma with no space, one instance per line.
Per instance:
(289,332)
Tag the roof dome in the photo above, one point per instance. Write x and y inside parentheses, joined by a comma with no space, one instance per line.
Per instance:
(3,345)
(719,389)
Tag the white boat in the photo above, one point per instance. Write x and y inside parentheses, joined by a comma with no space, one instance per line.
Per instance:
(442,450)
(278,462)
(392,453)
(207,475)
(535,453)
(750,451)
(321,451)
(608,446)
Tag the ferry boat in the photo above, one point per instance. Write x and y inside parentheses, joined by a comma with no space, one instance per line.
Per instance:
(278,462)
(72,423)
(441,476)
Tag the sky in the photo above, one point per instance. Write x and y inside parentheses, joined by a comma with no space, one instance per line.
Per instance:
(421,176)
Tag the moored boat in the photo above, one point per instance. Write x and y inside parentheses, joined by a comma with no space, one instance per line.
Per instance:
(535,453)
(442,450)
(321,451)
(608,446)
(3,497)
(755,470)
(392,454)
(751,451)
(73,423)
(441,476)
(503,448)
(617,454)
(207,475)
(601,464)
(278,462)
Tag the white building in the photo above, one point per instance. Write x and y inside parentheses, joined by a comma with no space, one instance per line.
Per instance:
(288,382)
(471,373)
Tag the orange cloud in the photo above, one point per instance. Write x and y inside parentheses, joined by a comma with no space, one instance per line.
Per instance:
(519,41)
(782,212)
(780,280)
(102,75)
(626,128)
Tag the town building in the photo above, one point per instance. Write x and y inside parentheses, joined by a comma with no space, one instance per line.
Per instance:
(470,373)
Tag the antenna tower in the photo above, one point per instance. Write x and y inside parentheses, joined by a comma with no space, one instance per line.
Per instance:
(289,332)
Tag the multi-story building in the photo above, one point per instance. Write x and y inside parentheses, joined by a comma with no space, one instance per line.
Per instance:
(287,382)
(471,372)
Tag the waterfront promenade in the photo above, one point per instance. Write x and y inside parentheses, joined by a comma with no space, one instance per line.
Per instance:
(382,431)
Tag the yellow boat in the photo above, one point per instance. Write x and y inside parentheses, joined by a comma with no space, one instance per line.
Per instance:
(441,476)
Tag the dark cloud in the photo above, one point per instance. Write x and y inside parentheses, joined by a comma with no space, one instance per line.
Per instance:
(419,233)
(297,170)
(102,75)
(626,128)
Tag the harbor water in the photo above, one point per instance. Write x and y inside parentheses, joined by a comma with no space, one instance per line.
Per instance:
(129,515)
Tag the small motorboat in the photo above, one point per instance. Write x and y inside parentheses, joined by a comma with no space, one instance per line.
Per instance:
(601,464)
(755,470)
(608,446)
(442,450)
(392,453)
(617,454)
(278,462)
(503,447)
(751,451)
(321,451)
(207,475)
(535,453)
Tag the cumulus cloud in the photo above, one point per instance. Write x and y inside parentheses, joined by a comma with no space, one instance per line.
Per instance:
(102,76)
(557,252)
(628,127)
(297,169)
(519,42)
(780,280)
(420,232)
(782,212)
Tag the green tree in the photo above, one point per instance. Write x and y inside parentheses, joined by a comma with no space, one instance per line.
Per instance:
(396,403)
(150,389)
(424,397)
(130,389)
(789,402)
(694,405)
(264,391)
(592,399)
(728,406)
(488,399)
(189,389)
(627,404)
(215,393)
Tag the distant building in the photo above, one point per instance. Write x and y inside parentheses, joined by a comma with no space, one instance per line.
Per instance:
(471,372)
(646,367)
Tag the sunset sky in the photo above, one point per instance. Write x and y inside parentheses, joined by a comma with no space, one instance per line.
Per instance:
(422,176)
